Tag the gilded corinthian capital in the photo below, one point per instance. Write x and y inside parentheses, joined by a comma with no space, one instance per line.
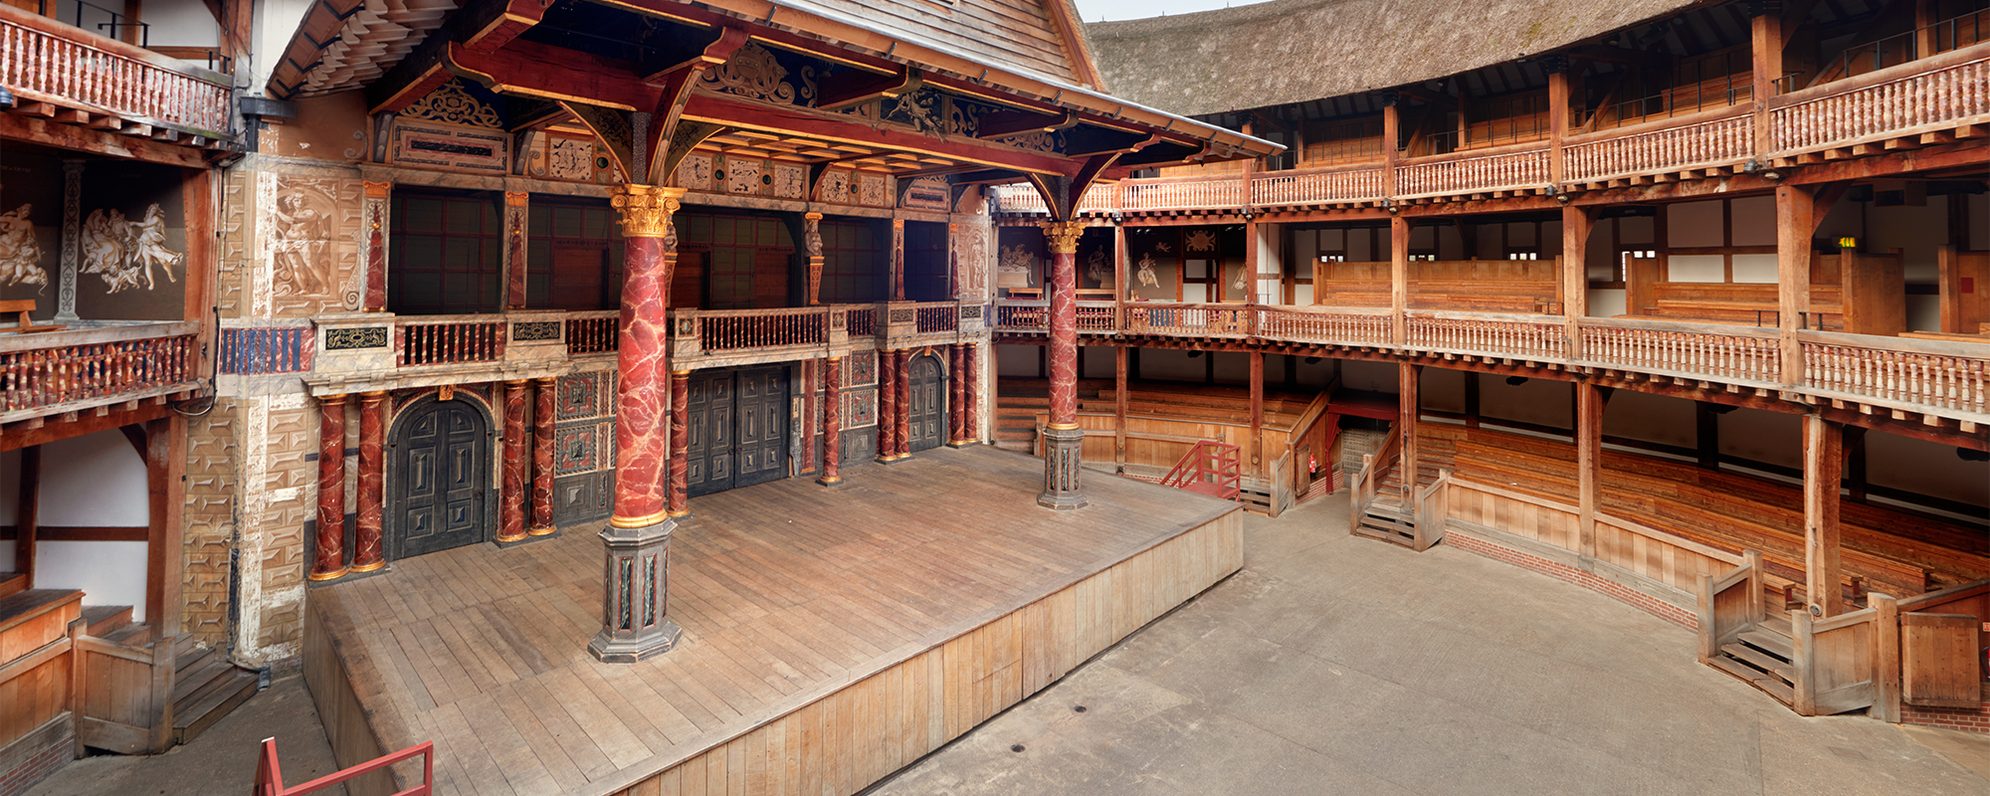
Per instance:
(1063,235)
(646,209)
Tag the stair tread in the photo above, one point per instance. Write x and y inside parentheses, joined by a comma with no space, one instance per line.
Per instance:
(1769,685)
(187,682)
(1770,642)
(135,634)
(1753,657)
(203,708)
(101,619)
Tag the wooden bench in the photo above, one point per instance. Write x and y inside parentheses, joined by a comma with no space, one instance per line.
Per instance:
(23,310)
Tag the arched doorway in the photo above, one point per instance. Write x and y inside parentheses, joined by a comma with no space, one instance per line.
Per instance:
(928,406)
(439,491)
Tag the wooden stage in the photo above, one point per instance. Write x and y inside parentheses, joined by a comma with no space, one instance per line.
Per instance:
(831,636)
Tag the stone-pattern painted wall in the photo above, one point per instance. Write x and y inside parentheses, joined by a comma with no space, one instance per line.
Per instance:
(212,493)
(584,447)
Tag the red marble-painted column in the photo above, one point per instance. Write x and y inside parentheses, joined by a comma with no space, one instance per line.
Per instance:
(511,500)
(832,426)
(329,561)
(904,435)
(887,406)
(972,389)
(956,407)
(542,458)
(680,444)
(634,624)
(1062,437)
(366,552)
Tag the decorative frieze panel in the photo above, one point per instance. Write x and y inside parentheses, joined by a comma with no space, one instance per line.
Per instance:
(535,331)
(450,147)
(356,338)
(554,156)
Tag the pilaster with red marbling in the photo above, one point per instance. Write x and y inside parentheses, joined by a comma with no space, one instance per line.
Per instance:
(374,210)
(542,458)
(514,249)
(832,417)
(971,374)
(367,555)
(898,259)
(328,560)
(680,444)
(904,402)
(955,405)
(511,498)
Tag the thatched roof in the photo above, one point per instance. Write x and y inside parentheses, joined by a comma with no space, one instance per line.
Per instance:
(1286,51)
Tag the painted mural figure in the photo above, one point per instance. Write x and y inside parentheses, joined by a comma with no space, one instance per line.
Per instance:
(1096,273)
(20,255)
(124,253)
(1146,274)
(298,249)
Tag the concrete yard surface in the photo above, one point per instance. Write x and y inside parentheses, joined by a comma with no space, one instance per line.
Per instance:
(1333,664)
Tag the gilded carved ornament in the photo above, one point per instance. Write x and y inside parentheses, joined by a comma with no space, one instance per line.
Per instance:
(1062,236)
(646,209)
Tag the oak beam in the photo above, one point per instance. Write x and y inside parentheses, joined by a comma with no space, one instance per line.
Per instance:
(1823,460)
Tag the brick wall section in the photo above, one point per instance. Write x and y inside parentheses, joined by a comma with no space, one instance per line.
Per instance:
(1964,719)
(1554,569)
(36,767)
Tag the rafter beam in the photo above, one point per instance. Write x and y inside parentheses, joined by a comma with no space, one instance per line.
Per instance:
(1001,124)
(851,87)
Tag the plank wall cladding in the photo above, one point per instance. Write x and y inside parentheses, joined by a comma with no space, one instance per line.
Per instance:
(96,239)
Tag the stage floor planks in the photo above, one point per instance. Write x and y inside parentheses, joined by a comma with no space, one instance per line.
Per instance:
(831,636)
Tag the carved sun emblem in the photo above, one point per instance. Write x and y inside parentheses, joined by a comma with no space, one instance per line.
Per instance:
(1201,240)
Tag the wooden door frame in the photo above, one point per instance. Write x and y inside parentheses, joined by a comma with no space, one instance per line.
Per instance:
(390,542)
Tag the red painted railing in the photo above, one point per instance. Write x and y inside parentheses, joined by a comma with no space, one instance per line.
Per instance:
(450,341)
(44,60)
(95,366)
(732,330)
(592,333)
(269,773)
(937,318)
(1210,468)
(1022,316)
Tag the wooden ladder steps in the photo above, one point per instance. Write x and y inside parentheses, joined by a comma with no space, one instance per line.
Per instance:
(1761,657)
(206,687)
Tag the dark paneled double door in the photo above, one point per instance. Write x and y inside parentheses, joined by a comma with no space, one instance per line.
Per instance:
(441,479)
(927,405)
(738,428)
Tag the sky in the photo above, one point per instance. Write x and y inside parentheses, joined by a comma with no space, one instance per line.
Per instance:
(1095,10)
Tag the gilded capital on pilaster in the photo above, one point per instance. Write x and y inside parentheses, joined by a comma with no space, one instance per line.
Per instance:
(1063,235)
(646,209)
(376,190)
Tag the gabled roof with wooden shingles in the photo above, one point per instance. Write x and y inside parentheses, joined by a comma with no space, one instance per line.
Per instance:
(1040,36)
(1288,51)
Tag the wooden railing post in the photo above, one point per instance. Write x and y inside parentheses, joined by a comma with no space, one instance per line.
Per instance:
(1886,657)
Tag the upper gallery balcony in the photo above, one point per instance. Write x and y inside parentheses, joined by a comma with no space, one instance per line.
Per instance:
(1703,129)
(58,71)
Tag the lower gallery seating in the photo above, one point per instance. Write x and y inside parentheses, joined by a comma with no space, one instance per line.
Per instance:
(1888,549)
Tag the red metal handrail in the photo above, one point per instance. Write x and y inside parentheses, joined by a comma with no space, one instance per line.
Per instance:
(1210,468)
(269,775)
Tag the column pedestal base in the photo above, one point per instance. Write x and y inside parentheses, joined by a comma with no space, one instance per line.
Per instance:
(634,625)
(1062,448)
(832,483)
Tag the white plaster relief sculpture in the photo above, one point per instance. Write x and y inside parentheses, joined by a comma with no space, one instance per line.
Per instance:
(125,253)
(20,254)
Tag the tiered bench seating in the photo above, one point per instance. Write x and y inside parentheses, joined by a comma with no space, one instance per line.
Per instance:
(1889,549)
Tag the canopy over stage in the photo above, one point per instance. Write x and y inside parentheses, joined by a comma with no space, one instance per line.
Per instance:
(830,636)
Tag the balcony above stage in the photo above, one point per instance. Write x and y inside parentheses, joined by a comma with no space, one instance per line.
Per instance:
(95,369)
(374,351)
(1946,382)
(62,76)
(1932,101)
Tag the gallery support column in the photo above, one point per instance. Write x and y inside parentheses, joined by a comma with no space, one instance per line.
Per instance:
(957,398)
(542,457)
(367,555)
(832,422)
(1063,440)
(634,622)
(1823,475)
(511,499)
(329,561)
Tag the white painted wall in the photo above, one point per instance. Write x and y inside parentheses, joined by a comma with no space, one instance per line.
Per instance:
(96,480)
(1696,268)
(180,23)
(1755,268)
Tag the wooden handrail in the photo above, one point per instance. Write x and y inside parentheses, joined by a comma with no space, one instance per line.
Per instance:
(1211,467)
(269,773)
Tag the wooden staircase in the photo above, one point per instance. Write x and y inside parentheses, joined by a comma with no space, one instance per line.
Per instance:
(1015,421)
(1211,468)
(206,686)
(1761,656)
(1385,519)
